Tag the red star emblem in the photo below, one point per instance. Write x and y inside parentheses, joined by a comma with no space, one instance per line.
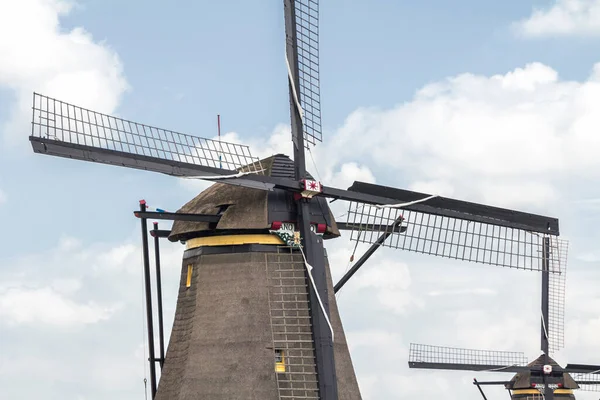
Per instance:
(312,185)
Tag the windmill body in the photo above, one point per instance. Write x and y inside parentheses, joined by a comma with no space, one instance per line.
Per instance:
(242,325)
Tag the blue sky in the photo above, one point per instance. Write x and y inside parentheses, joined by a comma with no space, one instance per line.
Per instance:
(441,96)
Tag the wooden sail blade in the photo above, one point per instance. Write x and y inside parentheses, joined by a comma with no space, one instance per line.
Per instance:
(460,209)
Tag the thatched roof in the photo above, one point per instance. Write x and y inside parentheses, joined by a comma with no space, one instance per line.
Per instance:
(249,209)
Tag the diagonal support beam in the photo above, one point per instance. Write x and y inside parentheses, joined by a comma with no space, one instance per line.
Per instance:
(480,389)
(363,259)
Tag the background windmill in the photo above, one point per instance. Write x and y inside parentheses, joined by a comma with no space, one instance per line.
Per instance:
(247,180)
(543,376)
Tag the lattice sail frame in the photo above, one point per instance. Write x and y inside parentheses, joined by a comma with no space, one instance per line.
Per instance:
(454,238)
(587,382)
(556,309)
(67,123)
(469,241)
(423,353)
(307,33)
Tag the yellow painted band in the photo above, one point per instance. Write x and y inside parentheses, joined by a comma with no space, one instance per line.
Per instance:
(526,391)
(228,240)
(535,391)
(563,391)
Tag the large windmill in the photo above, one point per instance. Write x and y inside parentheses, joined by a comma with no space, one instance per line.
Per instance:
(256,314)
(541,378)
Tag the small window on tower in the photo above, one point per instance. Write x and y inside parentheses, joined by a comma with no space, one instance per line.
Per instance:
(188,281)
(279,361)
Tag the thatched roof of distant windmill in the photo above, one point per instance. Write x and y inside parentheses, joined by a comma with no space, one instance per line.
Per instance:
(249,209)
(522,380)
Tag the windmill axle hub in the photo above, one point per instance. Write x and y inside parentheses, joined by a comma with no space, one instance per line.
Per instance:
(310,188)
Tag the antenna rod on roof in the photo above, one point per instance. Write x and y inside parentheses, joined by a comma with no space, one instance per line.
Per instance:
(219,135)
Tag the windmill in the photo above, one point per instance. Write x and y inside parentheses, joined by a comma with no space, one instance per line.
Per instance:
(254,240)
(541,378)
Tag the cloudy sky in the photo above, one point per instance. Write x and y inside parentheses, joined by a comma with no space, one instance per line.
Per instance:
(497,102)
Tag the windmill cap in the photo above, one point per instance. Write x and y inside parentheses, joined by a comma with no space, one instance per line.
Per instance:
(245,209)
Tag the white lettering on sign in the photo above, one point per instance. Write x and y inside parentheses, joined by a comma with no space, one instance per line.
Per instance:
(286,226)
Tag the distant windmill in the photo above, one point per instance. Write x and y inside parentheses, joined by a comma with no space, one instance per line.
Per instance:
(256,315)
(543,377)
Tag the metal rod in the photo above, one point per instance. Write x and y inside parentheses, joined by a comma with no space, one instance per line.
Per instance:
(219,133)
(178,216)
(545,297)
(161,334)
(367,254)
(313,249)
(548,392)
(480,389)
(148,288)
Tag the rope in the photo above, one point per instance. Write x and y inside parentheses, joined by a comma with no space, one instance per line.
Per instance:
(545,328)
(499,368)
(309,270)
(410,203)
(293,85)
(314,164)
(218,177)
(399,205)
(362,205)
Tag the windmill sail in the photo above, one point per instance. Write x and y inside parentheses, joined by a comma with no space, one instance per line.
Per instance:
(65,130)
(458,230)
(437,357)
(556,306)
(307,34)
(587,382)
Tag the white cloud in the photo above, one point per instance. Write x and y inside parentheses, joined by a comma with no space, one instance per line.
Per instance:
(39,55)
(3,197)
(505,139)
(390,282)
(68,303)
(350,172)
(509,139)
(563,18)
(46,306)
